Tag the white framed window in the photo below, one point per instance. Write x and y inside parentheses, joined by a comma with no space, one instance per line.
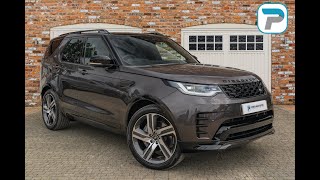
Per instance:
(205,43)
(246,42)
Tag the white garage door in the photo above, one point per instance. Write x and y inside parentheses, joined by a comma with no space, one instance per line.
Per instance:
(56,31)
(232,45)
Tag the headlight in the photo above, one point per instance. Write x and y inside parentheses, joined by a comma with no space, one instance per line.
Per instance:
(196,89)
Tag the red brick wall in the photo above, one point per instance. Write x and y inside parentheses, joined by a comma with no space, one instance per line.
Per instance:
(168,17)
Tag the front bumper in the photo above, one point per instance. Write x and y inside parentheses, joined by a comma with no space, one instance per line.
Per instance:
(213,123)
(220,145)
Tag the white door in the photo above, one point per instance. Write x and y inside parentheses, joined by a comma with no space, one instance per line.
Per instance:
(56,31)
(232,45)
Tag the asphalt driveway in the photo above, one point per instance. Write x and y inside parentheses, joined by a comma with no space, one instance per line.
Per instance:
(85,152)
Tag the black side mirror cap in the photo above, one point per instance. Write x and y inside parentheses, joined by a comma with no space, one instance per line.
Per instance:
(101,61)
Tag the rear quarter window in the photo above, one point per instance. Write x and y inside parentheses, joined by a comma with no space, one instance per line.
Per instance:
(54,44)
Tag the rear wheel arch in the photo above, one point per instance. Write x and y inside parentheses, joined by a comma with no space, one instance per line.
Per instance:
(45,89)
(50,106)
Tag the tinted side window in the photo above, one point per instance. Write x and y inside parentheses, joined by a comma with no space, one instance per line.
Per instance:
(52,46)
(95,46)
(73,51)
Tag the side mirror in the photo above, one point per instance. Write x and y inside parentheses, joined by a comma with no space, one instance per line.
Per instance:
(101,61)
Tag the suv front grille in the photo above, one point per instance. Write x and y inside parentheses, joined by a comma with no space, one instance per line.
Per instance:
(249,119)
(244,90)
(244,121)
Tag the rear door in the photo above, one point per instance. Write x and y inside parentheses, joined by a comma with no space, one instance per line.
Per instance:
(70,76)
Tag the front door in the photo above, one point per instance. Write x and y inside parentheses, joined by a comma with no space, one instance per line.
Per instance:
(99,94)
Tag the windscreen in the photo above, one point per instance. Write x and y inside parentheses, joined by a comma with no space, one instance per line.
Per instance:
(149,50)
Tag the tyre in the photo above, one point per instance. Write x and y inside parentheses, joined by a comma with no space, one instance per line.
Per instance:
(152,139)
(52,116)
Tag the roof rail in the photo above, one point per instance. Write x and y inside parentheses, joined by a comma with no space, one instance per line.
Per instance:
(156,33)
(80,32)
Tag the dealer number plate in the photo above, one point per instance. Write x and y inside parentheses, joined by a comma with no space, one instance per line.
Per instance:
(253,107)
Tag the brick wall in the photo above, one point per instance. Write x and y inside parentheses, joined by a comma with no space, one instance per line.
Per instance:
(164,16)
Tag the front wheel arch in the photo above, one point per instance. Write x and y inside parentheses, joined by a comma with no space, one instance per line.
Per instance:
(149,101)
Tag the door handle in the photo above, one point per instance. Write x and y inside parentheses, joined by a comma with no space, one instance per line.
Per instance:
(56,66)
(84,72)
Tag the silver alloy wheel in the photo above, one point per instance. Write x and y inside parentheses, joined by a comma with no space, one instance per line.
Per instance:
(49,110)
(154,138)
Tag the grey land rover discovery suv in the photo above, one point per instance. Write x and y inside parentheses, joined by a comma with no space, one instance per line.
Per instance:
(149,88)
